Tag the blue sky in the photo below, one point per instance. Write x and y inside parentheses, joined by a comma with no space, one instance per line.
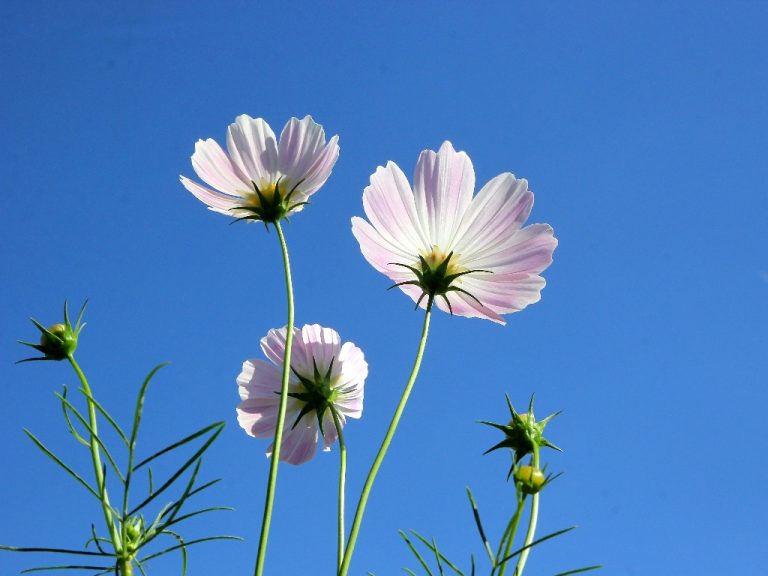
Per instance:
(641,127)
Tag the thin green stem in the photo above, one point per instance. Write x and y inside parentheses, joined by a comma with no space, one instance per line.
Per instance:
(98,470)
(385,446)
(342,484)
(275,460)
(531,522)
(509,535)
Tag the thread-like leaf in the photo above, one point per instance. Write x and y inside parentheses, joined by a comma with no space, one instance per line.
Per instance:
(53,457)
(535,542)
(579,570)
(479,523)
(434,549)
(190,543)
(67,405)
(70,427)
(416,553)
(180,443)
(180,471)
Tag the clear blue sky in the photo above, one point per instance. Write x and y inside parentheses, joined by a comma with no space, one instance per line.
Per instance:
(642,128)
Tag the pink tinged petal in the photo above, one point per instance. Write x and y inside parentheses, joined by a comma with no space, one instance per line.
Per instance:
(463,305)
(259,379)
(379,252)
(273,345)
(321,346)
(443,186)
(253,149)
(299,442)
(528,250)
(304,156)
(507,292)
(498,210)
(330,434)
(215,168)
(216,201)
(389,204)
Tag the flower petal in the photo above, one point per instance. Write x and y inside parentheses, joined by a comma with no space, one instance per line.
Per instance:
(443,186)
(528,250)
(498,210)
(389,204)
(214,167)
(253,149)
(300,441)
(507,292)
(304,156)
(216,201)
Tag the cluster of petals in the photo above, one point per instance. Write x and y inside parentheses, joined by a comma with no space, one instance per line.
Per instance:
(255,165)
(493,261)
(315,350)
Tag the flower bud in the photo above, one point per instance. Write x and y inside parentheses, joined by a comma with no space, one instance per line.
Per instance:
(59,341)
(530,479)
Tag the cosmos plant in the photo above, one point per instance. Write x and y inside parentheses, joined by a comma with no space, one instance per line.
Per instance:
(444,246)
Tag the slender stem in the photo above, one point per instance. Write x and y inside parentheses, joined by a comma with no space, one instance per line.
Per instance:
(275,460)
(385,446)
(531,522)
(509,535)
(125,567)
(342,483)
(96,457)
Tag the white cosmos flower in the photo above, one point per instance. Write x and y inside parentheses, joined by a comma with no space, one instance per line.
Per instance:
(325,375)
(436,241)
(257,178)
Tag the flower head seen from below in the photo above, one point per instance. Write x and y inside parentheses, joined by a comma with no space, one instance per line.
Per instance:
(326,377)
(437,242)
(259,178)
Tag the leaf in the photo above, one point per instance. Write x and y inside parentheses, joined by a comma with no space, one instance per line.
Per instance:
(579,570)
(434,549)
(478,522)
(53,457)
(416,553)
(535,542)
(190,543)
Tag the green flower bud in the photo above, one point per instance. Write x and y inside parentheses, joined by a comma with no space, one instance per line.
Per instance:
(59,341)
(522,433)
(531,480)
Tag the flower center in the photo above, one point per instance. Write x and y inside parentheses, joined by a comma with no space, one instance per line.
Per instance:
(269,202)
(437,274)
(317,392)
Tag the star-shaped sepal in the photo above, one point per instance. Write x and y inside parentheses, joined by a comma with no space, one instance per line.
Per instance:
(436,278)
(58,342)
(318,394)
(521,433)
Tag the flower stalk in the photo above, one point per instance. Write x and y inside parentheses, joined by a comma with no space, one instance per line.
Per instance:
(96,459)
(342,486)
(275,460)
(363,501)
(532,521)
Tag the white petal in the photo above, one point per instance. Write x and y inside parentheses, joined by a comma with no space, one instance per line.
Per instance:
(253,149)
(443,186)
(216,201)
(214,167)
(388,202)
(528,250)
(300,442)
(498,210)
(304,156)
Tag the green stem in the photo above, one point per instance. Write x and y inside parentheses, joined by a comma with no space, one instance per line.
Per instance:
(342,483)
(96,457)
(531,522)
(275,460)
(385,446)
(125,567)
(509,535)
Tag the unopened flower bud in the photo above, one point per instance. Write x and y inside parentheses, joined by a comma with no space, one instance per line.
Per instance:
(58,343)
(530,479)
